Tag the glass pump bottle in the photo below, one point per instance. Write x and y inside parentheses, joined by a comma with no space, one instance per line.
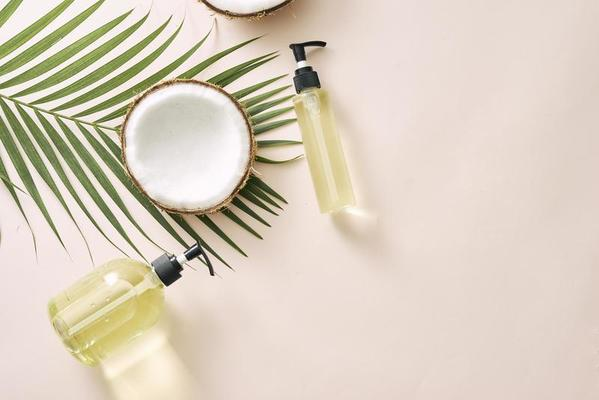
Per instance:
(115,303)
(322,143)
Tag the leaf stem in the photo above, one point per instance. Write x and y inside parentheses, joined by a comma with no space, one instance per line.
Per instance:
(62,116)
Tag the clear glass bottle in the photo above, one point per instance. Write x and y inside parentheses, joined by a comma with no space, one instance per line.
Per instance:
(322,142)
(115,304)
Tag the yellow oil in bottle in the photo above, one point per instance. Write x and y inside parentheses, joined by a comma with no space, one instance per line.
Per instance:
(107,309)
(324,150)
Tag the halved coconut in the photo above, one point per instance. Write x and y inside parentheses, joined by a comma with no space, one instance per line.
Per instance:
(246,8)
(188,145)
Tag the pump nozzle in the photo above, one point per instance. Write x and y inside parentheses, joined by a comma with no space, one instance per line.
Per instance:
(168,267)
(305,76)
(196,251)
(299,49)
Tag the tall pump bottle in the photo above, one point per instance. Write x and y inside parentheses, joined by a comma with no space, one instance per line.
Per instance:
(114,304)
(322,143)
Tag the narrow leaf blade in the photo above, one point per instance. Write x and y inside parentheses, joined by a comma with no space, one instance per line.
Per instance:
(82,63)
(263,97)
(13,193)
(265,116)
(265,160)
(233,217)
(23,37)
(23,172)
(277,143)
(251,197)
(257,109)
(119,79)
(107,68)
(240,94)
(214,228)
(196,69)
(48,41)
(8,10)
(72,163)
(36,160)
(99,175)
(114,164)
(137,88)
(237,202)
(65,54)
(265,187)
(269,126)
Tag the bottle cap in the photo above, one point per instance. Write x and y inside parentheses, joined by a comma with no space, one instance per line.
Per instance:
(168,267)
(305,76)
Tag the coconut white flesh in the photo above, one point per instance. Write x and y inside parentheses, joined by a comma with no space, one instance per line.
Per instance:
(188,146)
(246,7)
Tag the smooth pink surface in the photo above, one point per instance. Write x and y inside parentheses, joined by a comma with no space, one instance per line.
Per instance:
(471,130)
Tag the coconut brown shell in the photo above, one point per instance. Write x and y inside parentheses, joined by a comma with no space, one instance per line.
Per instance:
(255,15)
(248,168)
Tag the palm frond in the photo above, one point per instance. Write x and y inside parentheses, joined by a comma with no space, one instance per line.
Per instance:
(26,34)
(277,143)
(6,180)
(53,135)
(8,10)
(23,171)
(11,189)
(36,160)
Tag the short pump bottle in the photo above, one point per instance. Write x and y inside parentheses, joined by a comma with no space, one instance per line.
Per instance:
(115,303)
(322,143)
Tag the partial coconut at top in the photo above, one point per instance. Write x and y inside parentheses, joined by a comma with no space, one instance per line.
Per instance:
(246,8)
(188,146)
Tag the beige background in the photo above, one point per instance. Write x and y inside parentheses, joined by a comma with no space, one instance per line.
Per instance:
(471,130)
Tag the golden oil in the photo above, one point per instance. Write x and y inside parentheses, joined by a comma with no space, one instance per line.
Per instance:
(107,309)
(322,143)
(324,150)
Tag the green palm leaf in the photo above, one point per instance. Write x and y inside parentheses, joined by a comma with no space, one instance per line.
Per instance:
(34,144)
(121,78)
(48,41)
(233,217)
(266,160)
(269,126)
(36,160)
(11,189)
(64,54)
(265,116)
(190,73)
(8,10)
(99,174)
(77,169)
(237,202)
(23,171)
(277,143)
(6,180)
(84,62)
(254,180)
(145,84)
(261,107)
(52,157)
(112,161)
(262,97)
(240,94)
(107,68)
(22,37)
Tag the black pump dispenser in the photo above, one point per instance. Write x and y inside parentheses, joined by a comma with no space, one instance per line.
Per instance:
(305,76)
(168,267)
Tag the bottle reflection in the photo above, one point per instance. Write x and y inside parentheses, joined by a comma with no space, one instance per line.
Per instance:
(357,222)
(149,368)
